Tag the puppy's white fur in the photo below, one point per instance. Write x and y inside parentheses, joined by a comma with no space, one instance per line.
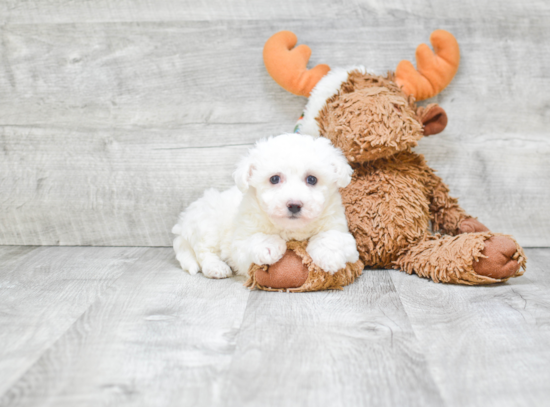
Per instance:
(250,223)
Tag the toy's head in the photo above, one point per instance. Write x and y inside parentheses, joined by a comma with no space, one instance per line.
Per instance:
(367,116)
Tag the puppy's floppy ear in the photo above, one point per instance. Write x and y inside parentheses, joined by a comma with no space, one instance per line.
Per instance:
(338,162)
(244,172)
(342,169)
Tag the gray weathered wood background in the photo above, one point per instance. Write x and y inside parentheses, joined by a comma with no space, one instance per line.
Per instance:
(114,115)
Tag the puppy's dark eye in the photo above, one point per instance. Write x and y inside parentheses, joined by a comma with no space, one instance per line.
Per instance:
(275,179)
(311,180)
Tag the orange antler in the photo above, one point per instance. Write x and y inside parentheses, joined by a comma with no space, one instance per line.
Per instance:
(435,71)
(288,66)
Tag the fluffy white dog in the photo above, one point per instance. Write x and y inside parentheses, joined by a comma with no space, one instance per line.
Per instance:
(287,188)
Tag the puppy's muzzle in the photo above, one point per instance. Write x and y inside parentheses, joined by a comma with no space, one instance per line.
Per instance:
(294,207)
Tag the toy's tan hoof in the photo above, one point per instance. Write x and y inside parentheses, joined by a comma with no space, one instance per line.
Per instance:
(501,261)
(289,272)
(471,225)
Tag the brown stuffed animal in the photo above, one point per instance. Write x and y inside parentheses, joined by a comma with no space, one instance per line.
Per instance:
(394,194)
(296,272)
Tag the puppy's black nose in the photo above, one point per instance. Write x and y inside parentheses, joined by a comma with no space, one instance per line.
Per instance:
(294,207)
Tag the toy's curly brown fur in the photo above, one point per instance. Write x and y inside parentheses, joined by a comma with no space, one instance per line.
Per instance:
(394,194)
(370,118)
(317,279)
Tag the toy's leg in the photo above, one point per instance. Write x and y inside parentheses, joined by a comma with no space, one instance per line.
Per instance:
(297,272)
(289,272)
(469,258)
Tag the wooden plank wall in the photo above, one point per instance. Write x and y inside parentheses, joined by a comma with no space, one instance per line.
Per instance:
(115,115)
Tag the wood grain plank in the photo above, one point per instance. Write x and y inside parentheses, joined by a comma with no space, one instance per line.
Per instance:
(10,255)
(63,11)
(101,189)
(159,337)
(349,348)
(166,75)
(133,197)
(124,326)
(154,75)
(105,127)
(485,345)
(502,180)
(43,291)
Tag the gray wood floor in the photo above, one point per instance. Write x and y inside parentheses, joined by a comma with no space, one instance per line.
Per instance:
(90,326)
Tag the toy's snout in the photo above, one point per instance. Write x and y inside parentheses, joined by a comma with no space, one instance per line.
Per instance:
(377,122)
(372,123)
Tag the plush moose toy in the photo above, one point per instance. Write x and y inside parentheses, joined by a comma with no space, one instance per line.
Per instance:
(393,194)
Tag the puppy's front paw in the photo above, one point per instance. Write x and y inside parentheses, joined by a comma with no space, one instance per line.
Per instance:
(331,250)
(269,250)
(328,259)
(216,269)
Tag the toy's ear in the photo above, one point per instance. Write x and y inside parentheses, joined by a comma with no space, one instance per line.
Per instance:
(243,173)
(433,117)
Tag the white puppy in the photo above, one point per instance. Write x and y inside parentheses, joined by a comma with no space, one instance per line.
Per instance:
(287,189)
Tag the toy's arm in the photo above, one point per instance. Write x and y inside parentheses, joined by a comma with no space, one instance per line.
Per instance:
(446,214)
